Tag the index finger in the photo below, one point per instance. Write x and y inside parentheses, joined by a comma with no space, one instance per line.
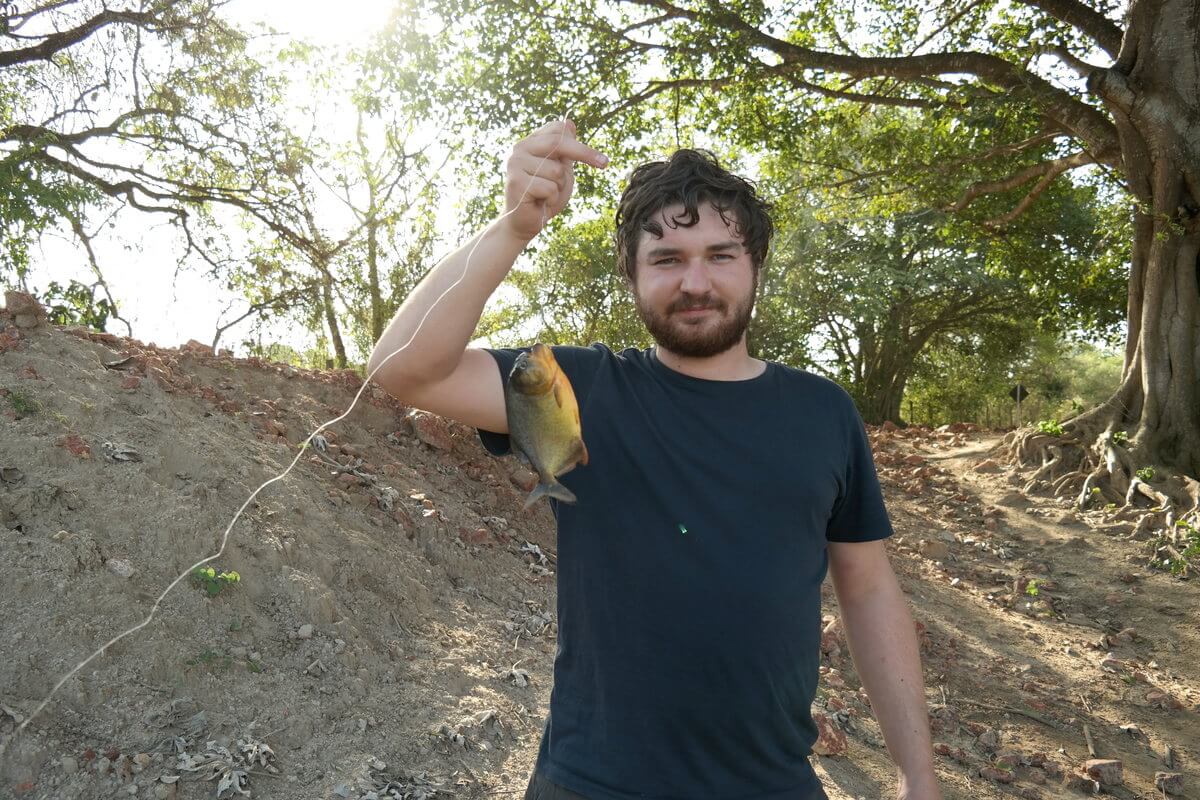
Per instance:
(561,143)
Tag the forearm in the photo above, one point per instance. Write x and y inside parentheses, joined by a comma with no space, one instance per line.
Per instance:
(879,630)
(445,333)
(434,326)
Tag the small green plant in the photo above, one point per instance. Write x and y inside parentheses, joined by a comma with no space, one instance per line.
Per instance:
(211,659)
(23,404)
(1121,438)
(1032,588)
(1145,474)
(212,581)
(1177,554)
(1050,426)
(1189,536)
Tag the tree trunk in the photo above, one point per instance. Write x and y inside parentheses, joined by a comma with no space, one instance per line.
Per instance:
(886,365)
(884,382)
(335,332)
(372,223)
(1151,90)
(377,321)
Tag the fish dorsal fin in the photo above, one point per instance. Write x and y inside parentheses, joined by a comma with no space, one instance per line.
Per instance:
(558,393)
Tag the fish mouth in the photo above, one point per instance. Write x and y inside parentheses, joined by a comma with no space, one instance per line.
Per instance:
(534,370)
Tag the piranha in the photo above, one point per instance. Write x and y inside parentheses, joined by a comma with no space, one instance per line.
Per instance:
(543,421)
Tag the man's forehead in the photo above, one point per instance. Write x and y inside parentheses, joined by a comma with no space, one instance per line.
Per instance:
(712,221)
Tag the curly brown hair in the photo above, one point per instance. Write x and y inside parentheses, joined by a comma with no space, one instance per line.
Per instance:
(690,177)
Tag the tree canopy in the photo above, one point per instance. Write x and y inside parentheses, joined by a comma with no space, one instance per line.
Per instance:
(1016,98)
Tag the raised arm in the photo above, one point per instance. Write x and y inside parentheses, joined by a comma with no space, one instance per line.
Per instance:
(434,368)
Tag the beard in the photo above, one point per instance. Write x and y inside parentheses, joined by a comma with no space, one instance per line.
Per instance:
(710,335)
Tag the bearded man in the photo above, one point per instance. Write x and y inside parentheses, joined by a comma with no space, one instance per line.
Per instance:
(720,491)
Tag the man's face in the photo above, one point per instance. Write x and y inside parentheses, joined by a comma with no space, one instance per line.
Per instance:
(694,287)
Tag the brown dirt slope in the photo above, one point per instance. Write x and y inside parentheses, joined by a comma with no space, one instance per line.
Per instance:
(393,627)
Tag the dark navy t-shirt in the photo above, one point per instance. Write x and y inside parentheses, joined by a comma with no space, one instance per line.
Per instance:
(689,575)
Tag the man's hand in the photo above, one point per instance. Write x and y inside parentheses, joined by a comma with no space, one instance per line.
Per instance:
(540,178)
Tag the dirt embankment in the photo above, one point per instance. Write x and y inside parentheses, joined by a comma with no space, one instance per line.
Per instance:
(393,628)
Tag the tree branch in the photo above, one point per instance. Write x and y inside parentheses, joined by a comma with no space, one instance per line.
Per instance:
(43,50)
(1081,68)
(126,189)
(869,99)
(1001,150)
(1047,170)
(270,304)
(1091,22)
(953,18)
(86,241)
(1082,120)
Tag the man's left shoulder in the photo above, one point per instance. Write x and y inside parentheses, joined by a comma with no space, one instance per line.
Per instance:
(811,385)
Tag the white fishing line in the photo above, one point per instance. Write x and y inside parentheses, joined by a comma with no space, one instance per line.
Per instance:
(300,451)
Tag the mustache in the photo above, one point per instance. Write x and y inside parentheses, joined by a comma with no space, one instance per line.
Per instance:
(691,304)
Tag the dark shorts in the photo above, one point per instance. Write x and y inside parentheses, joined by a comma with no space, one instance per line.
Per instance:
(542,789)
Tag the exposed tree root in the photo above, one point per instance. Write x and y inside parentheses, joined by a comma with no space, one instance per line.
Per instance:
(1103,467)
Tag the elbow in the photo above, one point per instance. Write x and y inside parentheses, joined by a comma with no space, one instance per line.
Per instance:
(387,368)
(388,359)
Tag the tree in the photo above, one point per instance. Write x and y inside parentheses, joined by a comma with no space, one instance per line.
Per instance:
(869,281)
(340,217)
(1028,93)
(92,98)
(875,293)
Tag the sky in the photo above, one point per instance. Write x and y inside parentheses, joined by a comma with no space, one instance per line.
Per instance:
(164,305)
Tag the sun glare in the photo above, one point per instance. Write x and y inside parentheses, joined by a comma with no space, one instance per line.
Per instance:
(347,22)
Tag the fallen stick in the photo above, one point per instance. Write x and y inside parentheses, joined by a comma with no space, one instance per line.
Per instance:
(1022,712)
(1087,734)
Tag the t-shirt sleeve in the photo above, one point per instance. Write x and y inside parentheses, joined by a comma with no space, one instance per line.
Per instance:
(577,363)
(859,514)
(498,443)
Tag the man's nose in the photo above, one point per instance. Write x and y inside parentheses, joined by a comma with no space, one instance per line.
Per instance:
(695,277)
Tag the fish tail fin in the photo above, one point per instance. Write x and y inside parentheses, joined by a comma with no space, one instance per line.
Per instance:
(555,490)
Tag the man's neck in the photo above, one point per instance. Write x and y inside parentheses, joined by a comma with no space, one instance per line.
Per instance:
(735,364)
